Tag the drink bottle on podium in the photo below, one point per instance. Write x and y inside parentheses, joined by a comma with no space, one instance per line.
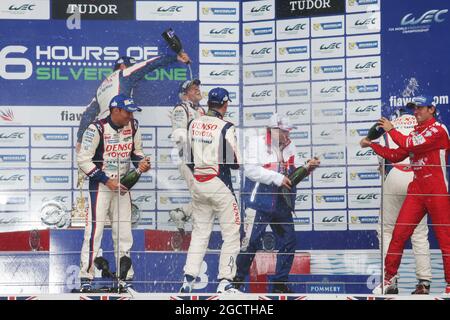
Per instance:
(298,175)
(130,178)
(375,132)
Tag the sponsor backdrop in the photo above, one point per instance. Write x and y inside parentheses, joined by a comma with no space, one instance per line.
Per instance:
(332,66)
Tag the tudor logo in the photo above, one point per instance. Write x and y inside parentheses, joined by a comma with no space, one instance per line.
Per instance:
(92,9)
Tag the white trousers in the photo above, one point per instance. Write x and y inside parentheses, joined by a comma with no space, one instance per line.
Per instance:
(187,175)
(102,203)
(211,199)
(394,193)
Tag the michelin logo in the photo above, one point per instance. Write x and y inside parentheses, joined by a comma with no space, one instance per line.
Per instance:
(259,31)
(219,53)
(363,45)
(329,69)
(219,11)
(364,88)
(330,199)
(293,50)
(13,157)
(365,175)
(364,220)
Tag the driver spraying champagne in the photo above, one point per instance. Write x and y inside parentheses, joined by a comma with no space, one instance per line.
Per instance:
(398,177)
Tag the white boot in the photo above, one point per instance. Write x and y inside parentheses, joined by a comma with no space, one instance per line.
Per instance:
(389,287)
(225,286)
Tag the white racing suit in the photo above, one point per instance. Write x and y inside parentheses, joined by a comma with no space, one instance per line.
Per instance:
(106,152)
(399,176)
(214,151)
(182,114)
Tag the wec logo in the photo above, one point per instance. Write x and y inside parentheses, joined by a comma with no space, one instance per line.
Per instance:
(370,108)
(14,177)
(297,27)
(365,22)
(331,46)
(264,8)
(170,9)
(426,18)
(224,73)
(368,65)
(23,7)
(223,31)
(261,51)
(55,157)
(368,196)
(264,93)
(334,89)
(299,69)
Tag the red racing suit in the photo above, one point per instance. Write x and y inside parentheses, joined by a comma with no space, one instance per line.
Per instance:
(427,147)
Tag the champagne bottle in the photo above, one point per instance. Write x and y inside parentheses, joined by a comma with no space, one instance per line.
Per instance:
(172,40)
(375,132)
(130,178)
(298,175)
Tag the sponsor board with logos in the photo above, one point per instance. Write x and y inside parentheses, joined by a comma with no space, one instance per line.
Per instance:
(293,71)
(358,89)
(333,133)
(148,137)
(334,177)
(363,45)
(330,155)
(51,158)
(258,10)
(368,22)
(330,220)
(364,176)
(166,11)
(259,95)
(364,67)
(219,11)
(293,92)
(211,53)
(259,73)
(14,201)
(23,10)
(14,179)
(292,29)
(258,31)
(363,219)
(302,221)
(258,116)
(364,110)
(327,47)
(14,158)
(14,136)
(298,113)
(362,5)
(328,112)
(309,8)
(219,74)
(328,69)
(356,155)
(144,200)
(88,10)
(364,198)
(219,32)
(171,179)
(258,52)
(327,26)
(301,136)
(293,50)
(330,199)
(51,179)
(328,90)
